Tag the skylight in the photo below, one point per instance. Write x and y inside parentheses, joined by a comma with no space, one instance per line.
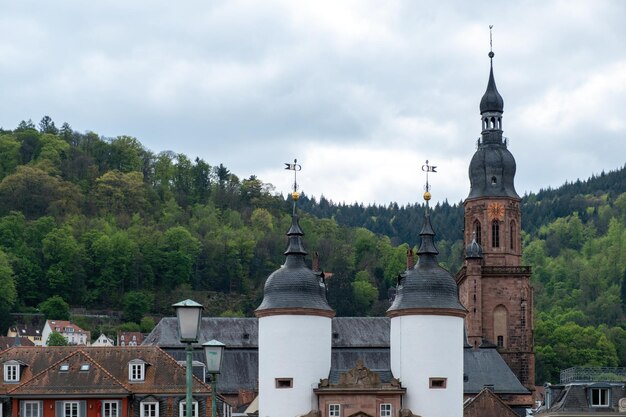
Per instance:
(84,367)
(64,367)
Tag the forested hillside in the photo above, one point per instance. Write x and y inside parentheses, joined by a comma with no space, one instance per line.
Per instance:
(105,224)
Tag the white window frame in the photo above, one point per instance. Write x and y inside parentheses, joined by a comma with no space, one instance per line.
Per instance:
(334,410)
(149,409)
(136,372)
(71,410)
(386,410)
(600,404)
(115,406)
(35,407)
(181,408)
(12,372)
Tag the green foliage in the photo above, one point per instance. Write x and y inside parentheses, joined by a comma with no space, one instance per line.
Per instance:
(56,339)
(129,327)
(136,305)
(55,308)
(147,324)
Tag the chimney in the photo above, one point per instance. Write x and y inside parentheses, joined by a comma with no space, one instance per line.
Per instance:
(316,262)
(410,259)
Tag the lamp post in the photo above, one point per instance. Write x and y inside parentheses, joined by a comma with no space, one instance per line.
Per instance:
(189,314)
(213,352)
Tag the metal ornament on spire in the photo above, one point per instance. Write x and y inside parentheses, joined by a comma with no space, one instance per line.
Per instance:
(428,168)
(295,167)
(491,54)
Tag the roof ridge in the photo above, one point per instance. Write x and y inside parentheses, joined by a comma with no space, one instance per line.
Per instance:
(171,358)
(95,362)
(44,370)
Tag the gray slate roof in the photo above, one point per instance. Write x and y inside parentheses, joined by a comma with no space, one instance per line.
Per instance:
(492,101)
(485,366)
(574,397)
(294,285)
(365,338)
(427,284)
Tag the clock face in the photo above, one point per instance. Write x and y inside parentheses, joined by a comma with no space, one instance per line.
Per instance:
(496,211)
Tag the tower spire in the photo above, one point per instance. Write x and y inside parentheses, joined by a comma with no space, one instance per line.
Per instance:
(295,167)
(427,168)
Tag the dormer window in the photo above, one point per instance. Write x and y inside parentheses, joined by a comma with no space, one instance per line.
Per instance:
(136,371)
(599,397)
(12,371)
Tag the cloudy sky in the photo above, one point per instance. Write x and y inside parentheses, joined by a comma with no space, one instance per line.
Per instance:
(361,92)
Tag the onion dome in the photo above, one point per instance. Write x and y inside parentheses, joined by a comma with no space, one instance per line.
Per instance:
(492,100)
(473,250)
(294,285)
(427,286)
(492,169)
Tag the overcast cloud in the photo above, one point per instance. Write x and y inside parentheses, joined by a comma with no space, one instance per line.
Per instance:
(361,92)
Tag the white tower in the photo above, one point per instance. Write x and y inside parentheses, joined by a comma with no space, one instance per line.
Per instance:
(294,334)
(427,335)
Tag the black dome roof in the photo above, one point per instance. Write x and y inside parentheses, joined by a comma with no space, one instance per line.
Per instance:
(294,285)
(492,101)
(492,171)
(427,285)
(473,250)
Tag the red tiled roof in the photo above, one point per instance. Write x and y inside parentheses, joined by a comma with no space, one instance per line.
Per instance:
(8,342)
(109,366)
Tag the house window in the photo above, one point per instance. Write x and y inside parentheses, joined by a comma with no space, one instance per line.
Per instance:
(385,410)
(149,409)
(334,410)
(31,409)
(182,409)
(136,371)
(284,382)
(599,397)
(110,409)
(437,383)
(70,409)
(11,372)
(495,234)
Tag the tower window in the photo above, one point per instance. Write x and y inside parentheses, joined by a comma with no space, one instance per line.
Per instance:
(437,383)
(477,232)
(284,382)
(495,234)
(512,235)
(494,180)
(500,341)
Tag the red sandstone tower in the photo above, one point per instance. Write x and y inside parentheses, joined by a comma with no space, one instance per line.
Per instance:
(493,285)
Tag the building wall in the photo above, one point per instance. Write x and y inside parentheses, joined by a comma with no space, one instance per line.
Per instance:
(296,347)
(425,347)
(366,402)
(93,406)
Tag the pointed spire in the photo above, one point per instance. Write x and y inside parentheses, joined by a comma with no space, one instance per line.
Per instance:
(427,247)
(492,100)
(295,234)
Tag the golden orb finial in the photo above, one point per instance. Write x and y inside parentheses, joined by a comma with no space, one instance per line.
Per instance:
(295,196)
(427,196)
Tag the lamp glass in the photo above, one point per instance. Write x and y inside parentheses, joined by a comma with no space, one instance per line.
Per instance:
(213,352)
(189,314)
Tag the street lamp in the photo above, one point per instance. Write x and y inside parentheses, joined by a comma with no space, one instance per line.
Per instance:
(213,351)
(189,314)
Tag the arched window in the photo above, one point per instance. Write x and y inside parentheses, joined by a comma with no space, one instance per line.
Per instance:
(512,234)
(477,232)
(495,234)
(500,325)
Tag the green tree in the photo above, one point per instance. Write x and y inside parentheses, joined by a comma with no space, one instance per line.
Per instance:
(136,305)
(46,125)
(55,308)
(56,339)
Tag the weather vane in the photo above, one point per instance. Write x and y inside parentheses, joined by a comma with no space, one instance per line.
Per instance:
(428,168)
(295,167)
(491,54)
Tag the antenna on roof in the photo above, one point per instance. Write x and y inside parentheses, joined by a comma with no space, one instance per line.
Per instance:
(295,167)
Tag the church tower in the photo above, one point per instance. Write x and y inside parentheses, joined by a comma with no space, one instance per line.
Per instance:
(493,285)
(295,323)
(426,338)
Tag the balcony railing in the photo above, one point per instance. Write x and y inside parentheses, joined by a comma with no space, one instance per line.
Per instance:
(595,374)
